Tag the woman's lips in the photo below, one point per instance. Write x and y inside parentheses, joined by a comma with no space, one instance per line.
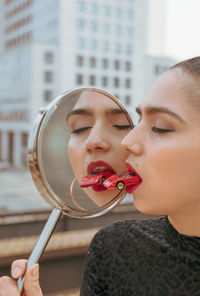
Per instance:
(129,166)
(95,165)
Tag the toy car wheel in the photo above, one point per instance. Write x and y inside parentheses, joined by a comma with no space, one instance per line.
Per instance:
(120,185)
(103,179)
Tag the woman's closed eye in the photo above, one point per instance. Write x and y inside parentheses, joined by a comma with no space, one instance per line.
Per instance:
(161,130)
(80,129)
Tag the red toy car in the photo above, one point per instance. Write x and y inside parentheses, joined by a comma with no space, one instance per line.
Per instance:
(129,180)
(96,178)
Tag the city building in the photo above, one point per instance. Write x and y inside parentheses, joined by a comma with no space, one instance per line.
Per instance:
(49,47)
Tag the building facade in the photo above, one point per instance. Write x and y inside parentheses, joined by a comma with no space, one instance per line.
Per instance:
(48,47)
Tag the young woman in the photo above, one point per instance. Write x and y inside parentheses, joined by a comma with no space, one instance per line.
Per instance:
(156,256)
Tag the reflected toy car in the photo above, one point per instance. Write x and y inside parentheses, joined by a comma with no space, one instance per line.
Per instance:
(129,180)
(96,178)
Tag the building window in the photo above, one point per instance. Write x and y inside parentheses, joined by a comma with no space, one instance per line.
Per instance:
(79,79)
(129,32)
(80,5)
(80,43)
(127,100)
(106,10)
(117,30)
(80,23)
(127,83)
(105,64)
(105,45)
(118,12)
(92,62)
(116,64)
(92,80)
(48,57)
(127,66)
(105,81)
(117,47)
(116,82)
(48,76)
(93,44)
(79,61)
(129,14)
(128,48)
(93,26)
(47,96)
(93,8)
(24,139)
(106,28)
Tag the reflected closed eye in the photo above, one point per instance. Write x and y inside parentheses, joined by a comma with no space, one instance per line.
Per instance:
(161,130)
(122,127)
(80,130)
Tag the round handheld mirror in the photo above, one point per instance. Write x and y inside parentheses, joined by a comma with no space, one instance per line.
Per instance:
(76,135)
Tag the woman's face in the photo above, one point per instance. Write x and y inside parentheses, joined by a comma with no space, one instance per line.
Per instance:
(97,126)
(164,148)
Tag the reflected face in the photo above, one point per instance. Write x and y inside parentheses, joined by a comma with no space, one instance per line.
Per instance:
(164,148)
(97,126)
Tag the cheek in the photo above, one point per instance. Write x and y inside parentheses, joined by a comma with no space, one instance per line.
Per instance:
(76,159)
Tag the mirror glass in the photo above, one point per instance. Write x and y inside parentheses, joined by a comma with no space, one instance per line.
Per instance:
(78,134)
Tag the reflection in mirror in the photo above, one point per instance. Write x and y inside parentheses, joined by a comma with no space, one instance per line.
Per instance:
(79,134)
(97,126)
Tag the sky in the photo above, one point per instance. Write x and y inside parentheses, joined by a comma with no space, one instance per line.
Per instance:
(179,22)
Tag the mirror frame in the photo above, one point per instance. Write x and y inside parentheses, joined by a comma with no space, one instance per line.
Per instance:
(34,165)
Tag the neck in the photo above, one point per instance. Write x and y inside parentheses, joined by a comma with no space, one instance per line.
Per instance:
(186,224)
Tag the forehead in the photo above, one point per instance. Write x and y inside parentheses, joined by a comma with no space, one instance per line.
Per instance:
(95,101)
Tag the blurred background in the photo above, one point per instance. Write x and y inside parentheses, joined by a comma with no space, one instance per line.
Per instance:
(52,46)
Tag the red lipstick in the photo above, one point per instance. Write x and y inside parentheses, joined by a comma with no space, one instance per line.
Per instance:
(95,165)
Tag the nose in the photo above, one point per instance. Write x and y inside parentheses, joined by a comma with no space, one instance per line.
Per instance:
(98,140)
(132,142)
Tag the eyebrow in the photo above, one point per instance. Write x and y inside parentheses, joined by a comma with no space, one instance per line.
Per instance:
(152,110)
(83,111)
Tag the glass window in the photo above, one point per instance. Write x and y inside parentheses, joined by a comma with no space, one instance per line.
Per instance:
(79,79)
(117,30)
(93,8)
(127,66)
(116,82)
(80,23)
(93,44)
(105,45)
(80,43)
(80,5)
(79,61)
(48,76)
(129,31)
(92,62)
(47,95)
(92,80)
(48,57)
(127,83)
(116,64)
(104,63)
(106,10)
(93,26)
(118,12)
(117,47)
(127,100)
(130,14)
(105,81)
(106,28)
(128,48)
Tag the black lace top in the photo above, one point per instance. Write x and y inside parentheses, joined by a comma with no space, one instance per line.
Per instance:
(143,258)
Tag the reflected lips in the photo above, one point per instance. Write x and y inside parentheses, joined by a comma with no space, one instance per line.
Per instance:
(98,171)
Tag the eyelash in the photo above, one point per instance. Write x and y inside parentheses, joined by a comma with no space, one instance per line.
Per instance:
(82,129)
(160,130)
